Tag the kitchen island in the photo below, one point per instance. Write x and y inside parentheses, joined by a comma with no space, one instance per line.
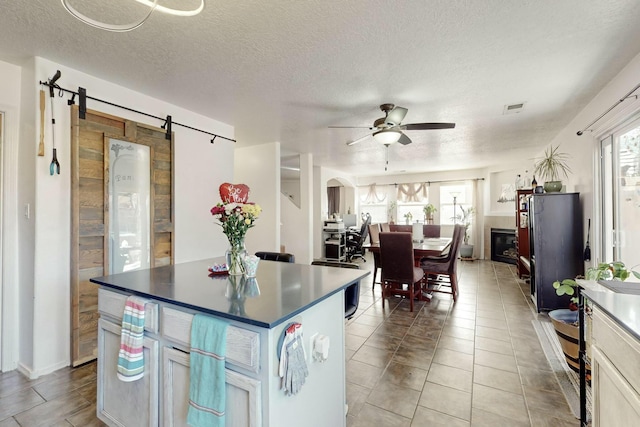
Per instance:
(257,310)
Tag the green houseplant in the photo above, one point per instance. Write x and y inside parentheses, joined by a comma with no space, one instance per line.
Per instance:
(429,210)
(551,167)
(565,321)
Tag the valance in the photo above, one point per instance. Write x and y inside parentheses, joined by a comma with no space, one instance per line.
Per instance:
(412,193)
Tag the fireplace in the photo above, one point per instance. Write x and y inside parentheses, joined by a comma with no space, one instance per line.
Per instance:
(503,245)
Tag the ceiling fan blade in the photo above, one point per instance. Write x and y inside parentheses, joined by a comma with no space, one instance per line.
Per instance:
(355,141)
(404,139)
(350,127)
(427,126)
(396,115)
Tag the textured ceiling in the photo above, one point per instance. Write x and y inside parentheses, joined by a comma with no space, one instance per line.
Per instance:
(283,70)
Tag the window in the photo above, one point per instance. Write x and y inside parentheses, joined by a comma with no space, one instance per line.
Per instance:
(461,193)
(374,202)
(411,199)
(620,192)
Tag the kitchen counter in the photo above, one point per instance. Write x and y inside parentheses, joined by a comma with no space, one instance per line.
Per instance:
(622,307)
(279,292)
(258,312)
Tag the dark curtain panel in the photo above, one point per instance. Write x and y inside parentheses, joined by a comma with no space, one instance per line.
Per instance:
(333,195)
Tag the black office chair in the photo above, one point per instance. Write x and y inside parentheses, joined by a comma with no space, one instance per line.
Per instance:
(356,240)
(276,256)
(352,293)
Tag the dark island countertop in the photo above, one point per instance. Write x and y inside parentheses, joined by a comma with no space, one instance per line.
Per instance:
(278,292)
(622,307)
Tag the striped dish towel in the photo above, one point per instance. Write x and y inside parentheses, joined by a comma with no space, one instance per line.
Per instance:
(207,391)
(131,355)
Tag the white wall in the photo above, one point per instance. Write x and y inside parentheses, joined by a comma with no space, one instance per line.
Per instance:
(10,85)
(296,232)
(199,169)
(258,167)
(584,150)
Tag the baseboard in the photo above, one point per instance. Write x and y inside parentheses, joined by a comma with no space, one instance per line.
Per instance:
(35,374)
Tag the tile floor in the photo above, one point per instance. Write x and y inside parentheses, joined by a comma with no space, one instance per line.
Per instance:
(477,362)
(474,363)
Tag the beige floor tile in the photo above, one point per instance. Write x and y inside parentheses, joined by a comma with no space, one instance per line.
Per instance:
(456,378)
(496,378)
(492,323)
(9,422)
(446,400)
(418,358)
(428,417)
(496,360)
(494,346)
(356,398)
(500,402)
(462,333)
(405,376)
(460,323)
(456,344)
(363,374)
(372,416)
(548,402)
(373,356)
(454,358)
(353,342)
(480,418)
(496,334)
(399,400)
(383,341)
(360,330)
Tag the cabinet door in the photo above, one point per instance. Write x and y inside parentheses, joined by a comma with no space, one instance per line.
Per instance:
(615,402)
(122,403)
(243,394)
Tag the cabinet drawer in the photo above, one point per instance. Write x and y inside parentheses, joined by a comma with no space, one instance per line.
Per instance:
(618,345)
(112,304)
(243,346)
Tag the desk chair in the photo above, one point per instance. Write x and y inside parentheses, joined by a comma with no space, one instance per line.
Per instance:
(441,270)
(276,256)
(351,293)
(356,240)
(399,276)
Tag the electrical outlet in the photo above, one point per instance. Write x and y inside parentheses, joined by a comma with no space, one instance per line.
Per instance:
(312,341)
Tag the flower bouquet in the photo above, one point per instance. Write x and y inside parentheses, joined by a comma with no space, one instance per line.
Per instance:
(235,215)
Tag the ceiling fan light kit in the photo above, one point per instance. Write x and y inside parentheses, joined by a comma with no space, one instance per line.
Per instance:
(121,28)
(387,136)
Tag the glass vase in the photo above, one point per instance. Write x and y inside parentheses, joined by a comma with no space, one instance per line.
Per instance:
(234,256)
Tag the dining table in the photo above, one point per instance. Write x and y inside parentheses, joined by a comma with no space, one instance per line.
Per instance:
(430,246)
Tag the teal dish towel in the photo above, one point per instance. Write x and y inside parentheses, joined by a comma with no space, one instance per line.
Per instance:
(131,354)
(207,394)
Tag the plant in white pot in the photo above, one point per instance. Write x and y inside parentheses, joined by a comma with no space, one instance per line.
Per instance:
(551,167)
(466,218)
(565,320)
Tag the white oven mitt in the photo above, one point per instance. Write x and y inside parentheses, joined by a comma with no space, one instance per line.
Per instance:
(293,362)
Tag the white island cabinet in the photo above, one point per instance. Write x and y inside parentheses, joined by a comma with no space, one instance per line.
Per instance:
(257,314)
(615,358)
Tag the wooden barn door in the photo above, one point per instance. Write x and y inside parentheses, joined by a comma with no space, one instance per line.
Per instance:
(92,140)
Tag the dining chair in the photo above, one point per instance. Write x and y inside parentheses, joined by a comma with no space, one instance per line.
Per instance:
(399,275)
(405,228)
(431,230)
(385,227)
(441,270)
(374,238)
(351,293)
(276,256)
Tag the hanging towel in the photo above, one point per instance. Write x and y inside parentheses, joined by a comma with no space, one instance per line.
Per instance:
(207,395)
(131,355)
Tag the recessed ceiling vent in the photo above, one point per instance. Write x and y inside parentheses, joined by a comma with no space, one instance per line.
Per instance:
(513,108)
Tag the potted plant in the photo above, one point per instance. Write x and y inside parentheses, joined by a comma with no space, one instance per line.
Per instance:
(466,218)
(551,167)
(565,321)
(391,210)
(429,210)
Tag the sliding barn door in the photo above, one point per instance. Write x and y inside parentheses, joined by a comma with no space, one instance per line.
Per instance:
(104,241)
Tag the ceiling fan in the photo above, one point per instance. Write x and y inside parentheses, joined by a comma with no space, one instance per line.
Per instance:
(388,129)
